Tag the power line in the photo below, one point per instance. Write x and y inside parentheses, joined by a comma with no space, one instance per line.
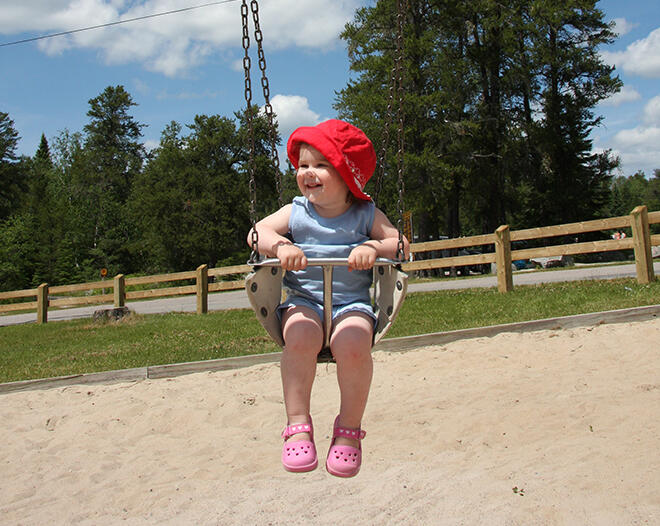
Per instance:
(115,23)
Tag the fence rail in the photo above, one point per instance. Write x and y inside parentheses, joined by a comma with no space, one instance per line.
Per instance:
(638,221)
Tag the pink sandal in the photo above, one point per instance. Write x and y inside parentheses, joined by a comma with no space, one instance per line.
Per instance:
(344,461)
(299,455)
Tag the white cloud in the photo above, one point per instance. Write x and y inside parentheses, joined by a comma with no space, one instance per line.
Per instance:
(313,24)
(173,44)
(237,65)
(639,147)
(151,144)
(642,57)
(641,137)
(140,86)
(652,112)
(625,95)
(293,111)
(622,26)
(36,15)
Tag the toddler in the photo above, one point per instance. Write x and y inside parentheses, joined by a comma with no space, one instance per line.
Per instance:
(332,218)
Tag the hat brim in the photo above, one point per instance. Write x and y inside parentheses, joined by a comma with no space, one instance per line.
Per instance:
(316,138)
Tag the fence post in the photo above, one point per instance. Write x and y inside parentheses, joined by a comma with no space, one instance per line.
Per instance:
(639,221)
(42,303)
(119,291)
(202,285)
(503,259)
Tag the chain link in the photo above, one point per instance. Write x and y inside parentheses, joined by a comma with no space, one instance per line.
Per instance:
(395,91)
(268,108)
(385,139)
(254,256)
(400,132)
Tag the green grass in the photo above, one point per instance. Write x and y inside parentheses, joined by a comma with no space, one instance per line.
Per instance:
(74,347)
(461,309)
(81,346)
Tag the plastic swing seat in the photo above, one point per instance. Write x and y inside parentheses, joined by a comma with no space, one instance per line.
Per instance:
(264,289)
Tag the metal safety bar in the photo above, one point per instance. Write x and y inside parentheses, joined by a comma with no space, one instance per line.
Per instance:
(320,262)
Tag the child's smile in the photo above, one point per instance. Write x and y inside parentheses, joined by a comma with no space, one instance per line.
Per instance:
(312,182)
(321,183)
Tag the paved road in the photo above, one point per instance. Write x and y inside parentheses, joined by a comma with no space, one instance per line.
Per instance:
(238,299)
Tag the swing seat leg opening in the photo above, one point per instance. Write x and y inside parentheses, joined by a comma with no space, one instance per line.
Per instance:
(264,290)
(325,356)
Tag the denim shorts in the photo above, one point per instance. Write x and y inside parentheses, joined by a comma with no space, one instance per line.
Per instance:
(337,310)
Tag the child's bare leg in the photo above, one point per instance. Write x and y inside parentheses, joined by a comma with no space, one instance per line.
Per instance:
(303,337)
(351,347)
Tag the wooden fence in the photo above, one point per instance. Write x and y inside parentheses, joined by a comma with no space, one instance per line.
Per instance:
(638,221)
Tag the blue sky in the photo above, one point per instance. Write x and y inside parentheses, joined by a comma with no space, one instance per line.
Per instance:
(189,63)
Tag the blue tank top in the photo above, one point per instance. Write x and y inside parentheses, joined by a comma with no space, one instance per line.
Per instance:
(330,237)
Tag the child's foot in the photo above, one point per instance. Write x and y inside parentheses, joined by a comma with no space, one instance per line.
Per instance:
(298,436)
(345,454)
(344,441)
(299,451)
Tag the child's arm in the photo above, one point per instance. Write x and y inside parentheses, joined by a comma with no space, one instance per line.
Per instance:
(384,243)
(272,242)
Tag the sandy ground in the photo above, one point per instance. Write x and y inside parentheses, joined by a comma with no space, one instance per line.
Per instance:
(549,428)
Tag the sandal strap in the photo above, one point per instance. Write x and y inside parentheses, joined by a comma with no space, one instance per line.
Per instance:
(346,432)
(293,429)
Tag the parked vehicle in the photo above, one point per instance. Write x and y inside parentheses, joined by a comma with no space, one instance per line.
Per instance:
(553,262)
(462,270)
(523,264)
(481,268)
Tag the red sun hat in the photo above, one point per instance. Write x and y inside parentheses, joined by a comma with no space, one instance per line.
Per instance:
(346,148)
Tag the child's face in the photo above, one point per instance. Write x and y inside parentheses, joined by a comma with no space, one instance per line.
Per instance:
(321,183)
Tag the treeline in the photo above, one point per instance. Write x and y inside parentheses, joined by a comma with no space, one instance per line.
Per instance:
(97,199)
(498,102)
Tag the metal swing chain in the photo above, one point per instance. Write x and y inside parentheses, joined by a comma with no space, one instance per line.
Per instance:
(396,86)
(268,108)
(254,256)
(400,137)
(385,138)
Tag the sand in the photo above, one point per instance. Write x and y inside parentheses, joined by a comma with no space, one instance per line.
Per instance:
(547,427)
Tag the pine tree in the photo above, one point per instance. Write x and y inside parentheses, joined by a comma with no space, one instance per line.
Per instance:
(71,212)
(17,249)
(572,182)
(433,119)
(12,169)
(41,213)
(114,156)
(499,100)
(191,202)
